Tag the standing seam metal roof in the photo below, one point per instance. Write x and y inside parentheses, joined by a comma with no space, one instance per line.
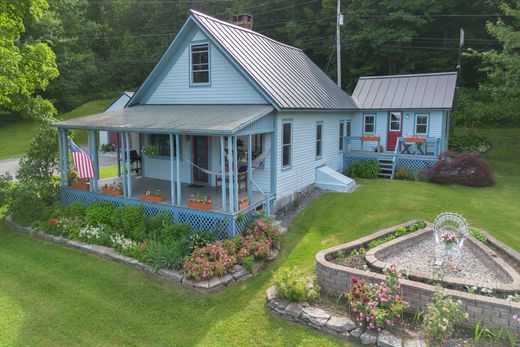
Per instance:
(285,73)
(426,91)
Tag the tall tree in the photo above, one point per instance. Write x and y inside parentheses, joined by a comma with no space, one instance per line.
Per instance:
(503,66)
(26,67)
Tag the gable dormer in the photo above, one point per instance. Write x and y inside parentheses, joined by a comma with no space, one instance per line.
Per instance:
(197,72)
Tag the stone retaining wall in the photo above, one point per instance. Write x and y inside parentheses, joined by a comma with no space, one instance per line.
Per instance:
(238,273)
(336,279)
(339,326)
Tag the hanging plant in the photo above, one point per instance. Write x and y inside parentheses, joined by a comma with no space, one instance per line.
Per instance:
(149,151)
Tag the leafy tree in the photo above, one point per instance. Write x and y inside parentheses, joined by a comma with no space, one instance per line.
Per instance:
(503,66)
(26,67)
(41,160)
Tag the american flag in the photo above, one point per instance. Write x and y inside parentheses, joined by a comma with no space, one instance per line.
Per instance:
(81,161)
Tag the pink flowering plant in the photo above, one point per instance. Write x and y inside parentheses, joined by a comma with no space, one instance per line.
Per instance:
(258,240)
(214,259)
(377,306)
(449,238)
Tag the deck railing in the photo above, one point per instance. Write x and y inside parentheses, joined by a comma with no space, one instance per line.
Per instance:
(225,225)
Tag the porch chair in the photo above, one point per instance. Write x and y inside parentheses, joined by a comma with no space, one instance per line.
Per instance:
(242,179)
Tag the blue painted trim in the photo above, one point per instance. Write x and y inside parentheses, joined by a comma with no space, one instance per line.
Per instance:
(274,155)
(223,174)
(190,67)
(177,168)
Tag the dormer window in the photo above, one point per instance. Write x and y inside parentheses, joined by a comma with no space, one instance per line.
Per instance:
(199,63)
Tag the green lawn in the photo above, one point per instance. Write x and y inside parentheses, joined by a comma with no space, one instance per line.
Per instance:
(15,137)
(51,295)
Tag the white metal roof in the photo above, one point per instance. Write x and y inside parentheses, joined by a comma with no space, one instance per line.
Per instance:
(419,91)
(186,119)
(284,72)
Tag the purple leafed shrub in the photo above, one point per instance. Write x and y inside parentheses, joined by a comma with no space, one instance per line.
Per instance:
(466,168)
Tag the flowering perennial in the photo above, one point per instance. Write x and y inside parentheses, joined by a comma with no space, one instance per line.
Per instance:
(449,238)
(91,233)
(122,243)
(377,306)
(209,261)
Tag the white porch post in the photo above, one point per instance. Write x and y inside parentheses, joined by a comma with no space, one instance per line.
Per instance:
(172,180)
(66,157)
(60,154)
(249,169)
(231,179)
(178,164)
(123,171)
(128,172)
(236,187)
(96,155)
(91,155)
(223,173)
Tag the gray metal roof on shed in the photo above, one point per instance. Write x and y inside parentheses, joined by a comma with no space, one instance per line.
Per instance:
(283,72)
(185,119)
(419,91)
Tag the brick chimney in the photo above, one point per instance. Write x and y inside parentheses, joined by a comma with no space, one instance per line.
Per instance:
(244,20)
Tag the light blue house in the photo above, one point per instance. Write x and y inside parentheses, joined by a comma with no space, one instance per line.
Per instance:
(232,116)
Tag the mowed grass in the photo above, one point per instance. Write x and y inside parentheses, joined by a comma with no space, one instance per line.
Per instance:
(51,295)
(16,137)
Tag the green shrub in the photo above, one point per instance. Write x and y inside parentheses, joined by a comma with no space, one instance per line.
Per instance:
(163,255)
(74,210)
(442,315)
(130,221)
(479,236)
(364,169)
(32,200)
(99,213)
(6,186)
(296,285)
(468,141)
(248,263)
(404,174)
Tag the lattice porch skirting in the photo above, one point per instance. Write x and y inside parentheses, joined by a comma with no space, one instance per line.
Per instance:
(224,225)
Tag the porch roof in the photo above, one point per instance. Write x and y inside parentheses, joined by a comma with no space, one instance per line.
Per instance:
(178,119)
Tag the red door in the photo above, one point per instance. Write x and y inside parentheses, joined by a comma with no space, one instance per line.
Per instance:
(395,129)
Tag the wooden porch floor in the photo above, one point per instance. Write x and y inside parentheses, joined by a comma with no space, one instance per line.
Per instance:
(141,184)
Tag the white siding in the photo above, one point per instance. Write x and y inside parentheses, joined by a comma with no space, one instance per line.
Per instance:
(227,85)
(304,161)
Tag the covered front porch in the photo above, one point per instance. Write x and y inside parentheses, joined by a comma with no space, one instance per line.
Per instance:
(213,158)
(142,184)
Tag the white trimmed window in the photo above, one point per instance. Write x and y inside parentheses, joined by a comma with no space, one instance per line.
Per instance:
(199,63)
(286,143)
(161,144)
(421,124)
(319,139)
(369,124)
(341,135)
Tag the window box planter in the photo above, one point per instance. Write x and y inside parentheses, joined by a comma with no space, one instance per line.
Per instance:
(152,198)
(415,139)
(369,138)
(112,192)
(80,185)
(200,205)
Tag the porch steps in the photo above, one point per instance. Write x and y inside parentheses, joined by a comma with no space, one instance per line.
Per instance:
(385,168)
